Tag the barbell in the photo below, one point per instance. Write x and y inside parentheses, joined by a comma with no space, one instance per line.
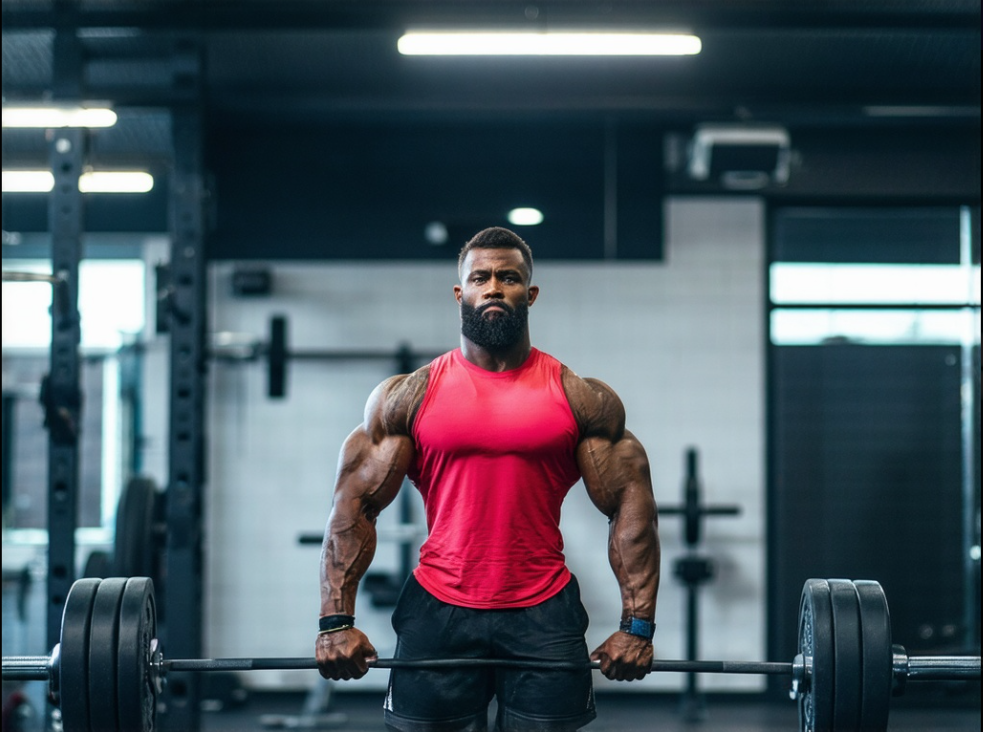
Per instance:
(107,670)
(277,353)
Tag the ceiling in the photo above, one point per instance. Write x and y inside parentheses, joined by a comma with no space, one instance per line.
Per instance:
(314,122)
(308,63)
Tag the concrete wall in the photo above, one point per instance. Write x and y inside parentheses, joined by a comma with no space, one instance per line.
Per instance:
(681,341)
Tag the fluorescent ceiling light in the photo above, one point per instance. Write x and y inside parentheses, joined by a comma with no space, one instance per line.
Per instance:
(116,181)
(28,181)
(525,216)
(49,117)
(466,43)
(103,181)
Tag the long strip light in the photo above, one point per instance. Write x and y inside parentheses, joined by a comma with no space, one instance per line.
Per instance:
(51,117)
(97,181)
(495,43)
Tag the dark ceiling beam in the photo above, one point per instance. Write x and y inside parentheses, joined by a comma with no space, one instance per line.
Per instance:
(781,106)
(245,15)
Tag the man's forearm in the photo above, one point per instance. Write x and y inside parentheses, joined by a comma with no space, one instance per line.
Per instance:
(349,545)
(635,556)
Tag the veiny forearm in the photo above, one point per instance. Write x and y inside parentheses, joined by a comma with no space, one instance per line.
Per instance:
(369,478)
(348,548)
(635,553)
(619,482)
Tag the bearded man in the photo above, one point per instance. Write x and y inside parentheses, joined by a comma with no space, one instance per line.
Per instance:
(493,435)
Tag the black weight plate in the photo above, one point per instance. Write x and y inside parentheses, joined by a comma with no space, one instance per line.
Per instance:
(98,564)
(103,641)
(847,656)
(73,672)
(875,632)
(137,704)
(133,553)
(816,642)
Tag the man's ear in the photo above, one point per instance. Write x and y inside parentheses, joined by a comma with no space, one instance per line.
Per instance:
(533,294)
(458,292)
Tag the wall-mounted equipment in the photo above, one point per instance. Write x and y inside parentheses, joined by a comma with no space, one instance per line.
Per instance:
(740,157)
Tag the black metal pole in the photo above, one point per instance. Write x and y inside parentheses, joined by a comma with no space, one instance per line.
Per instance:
(693,703)
(61,392)
(181,620)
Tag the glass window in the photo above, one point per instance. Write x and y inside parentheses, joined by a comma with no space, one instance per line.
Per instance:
(112,311)
(111,304)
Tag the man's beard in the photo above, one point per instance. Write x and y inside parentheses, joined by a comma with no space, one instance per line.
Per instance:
(496,333)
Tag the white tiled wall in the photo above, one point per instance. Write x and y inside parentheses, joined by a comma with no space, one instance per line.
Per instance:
(681,341)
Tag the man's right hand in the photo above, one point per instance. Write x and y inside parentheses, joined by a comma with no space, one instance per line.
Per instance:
(344,655)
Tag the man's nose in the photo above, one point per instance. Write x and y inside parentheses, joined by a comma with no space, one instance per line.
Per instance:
(493,291)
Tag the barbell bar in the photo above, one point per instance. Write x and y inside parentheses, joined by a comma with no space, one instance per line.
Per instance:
(916,668)
(266,664)
(58,282)
(108,669)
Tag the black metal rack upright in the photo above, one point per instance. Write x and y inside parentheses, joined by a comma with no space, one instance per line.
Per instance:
(61,392)
(182,605)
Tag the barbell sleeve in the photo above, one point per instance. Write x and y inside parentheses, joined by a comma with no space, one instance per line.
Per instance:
(26,668)
(943,668)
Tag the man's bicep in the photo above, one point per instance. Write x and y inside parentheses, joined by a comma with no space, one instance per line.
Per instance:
(376,455)
(371,470)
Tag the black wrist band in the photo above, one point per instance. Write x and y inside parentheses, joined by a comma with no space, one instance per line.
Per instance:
(330,623)
(636,626)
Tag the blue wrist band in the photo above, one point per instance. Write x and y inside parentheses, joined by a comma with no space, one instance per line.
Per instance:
(639,627)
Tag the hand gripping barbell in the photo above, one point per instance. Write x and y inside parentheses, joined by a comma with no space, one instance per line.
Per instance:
(108,669)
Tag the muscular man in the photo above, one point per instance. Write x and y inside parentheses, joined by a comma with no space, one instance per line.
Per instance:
(493,435)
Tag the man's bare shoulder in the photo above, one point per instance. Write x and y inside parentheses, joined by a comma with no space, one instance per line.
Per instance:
(595,405)
(393,404)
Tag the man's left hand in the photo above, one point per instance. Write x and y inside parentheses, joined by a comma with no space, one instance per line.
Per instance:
(624,657)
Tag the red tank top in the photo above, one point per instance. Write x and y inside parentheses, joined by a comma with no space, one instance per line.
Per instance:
(495,457)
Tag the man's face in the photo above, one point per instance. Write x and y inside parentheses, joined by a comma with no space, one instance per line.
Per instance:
(494,296)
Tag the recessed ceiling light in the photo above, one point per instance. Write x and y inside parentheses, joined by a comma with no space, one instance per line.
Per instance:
(525,216)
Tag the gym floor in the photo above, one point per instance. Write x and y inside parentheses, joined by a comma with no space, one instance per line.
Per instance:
(362,712)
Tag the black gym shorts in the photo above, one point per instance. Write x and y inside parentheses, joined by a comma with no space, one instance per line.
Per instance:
(456,700)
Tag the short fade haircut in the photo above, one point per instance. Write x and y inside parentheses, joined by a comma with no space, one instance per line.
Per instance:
(496,237)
